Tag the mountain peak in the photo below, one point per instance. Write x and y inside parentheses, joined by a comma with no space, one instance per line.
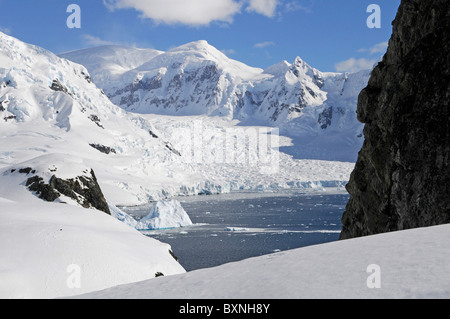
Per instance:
(200,48)
(299,67)
(299,63)
(200,45)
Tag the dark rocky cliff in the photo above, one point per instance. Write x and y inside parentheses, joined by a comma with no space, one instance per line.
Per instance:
(83,189)
(402,176)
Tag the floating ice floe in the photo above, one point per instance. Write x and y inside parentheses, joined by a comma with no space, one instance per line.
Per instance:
(236,229)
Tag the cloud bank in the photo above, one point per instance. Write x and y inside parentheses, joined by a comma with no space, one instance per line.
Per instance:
(193,12)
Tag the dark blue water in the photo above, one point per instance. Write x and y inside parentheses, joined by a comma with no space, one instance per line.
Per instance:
(233,227)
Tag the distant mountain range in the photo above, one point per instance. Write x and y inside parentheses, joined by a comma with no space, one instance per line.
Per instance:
(316,109)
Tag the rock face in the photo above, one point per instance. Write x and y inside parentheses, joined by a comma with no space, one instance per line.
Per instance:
(104,149)
(402,176)
(84,189)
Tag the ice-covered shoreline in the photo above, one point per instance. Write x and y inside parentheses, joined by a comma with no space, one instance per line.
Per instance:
(245,194)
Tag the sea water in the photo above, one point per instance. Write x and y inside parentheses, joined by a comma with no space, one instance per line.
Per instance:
(233,227)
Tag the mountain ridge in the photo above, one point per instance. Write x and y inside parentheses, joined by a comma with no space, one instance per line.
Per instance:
(197,79)
(196,55)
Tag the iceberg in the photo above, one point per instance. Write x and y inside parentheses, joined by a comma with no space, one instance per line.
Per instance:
(165,215)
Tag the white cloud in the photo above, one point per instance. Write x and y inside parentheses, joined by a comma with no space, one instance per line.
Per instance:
(264,44)
(189,12)
(296,6)
(95,41)
(355,65)
(264,7)
(377,48)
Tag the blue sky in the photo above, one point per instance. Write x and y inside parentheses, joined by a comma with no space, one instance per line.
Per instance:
(329,35)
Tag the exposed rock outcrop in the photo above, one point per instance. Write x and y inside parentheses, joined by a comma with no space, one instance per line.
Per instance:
(58,87)
(104,149)
(402,176)
(84,189)
(94,118)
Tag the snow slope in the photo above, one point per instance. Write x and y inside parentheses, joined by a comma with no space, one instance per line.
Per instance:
(50,106)
(107,63)
(41,242)
(406,264)
(51,115)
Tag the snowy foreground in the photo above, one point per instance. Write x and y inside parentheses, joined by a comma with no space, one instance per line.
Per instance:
(405,264)
(53,250)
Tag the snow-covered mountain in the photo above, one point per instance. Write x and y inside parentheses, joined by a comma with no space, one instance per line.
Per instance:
(316,109)
(69,156)
(56,121)
(65,149)
(192,79)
